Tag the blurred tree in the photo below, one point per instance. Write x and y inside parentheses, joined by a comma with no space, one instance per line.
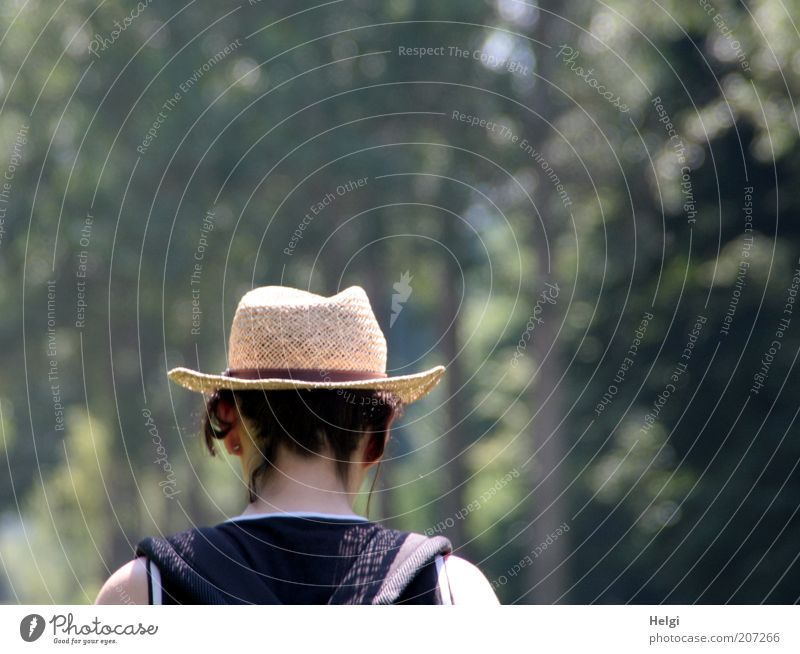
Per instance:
(204,134)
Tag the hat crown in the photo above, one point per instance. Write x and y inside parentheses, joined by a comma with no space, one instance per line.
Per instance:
(282,327)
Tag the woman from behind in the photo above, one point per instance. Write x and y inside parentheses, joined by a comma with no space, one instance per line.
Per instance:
(307,406)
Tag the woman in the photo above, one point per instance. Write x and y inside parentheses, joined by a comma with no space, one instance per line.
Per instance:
(307,406)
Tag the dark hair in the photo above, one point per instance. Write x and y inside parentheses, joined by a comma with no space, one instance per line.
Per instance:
(303,421)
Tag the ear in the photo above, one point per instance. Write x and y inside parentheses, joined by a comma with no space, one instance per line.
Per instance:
(374,448)
(227,411)
(233,441)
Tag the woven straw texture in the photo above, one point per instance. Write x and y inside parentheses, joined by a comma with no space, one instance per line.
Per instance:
(282,327)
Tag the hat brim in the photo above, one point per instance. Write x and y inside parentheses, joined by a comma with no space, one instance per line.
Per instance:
(408,388)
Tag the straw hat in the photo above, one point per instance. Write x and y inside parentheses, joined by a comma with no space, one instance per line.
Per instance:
(284,338)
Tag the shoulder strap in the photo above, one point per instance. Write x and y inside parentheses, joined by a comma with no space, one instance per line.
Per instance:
(180,582)
(386,565)
(417,552)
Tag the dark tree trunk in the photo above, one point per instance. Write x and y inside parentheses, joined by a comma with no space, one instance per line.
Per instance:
(454,438)
(547,578)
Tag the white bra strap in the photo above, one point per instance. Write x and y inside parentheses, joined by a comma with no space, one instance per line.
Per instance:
(442,580)
(155,582)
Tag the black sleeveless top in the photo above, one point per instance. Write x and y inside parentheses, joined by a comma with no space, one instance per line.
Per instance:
(299,558)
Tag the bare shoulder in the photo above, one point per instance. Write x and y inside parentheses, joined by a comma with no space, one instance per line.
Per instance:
(468,585)
(128,585)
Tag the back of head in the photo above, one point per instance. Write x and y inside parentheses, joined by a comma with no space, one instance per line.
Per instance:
(308,423)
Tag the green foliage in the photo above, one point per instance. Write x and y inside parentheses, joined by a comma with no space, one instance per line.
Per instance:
(315,99)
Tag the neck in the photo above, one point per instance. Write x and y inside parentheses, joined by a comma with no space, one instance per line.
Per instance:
(299,484)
